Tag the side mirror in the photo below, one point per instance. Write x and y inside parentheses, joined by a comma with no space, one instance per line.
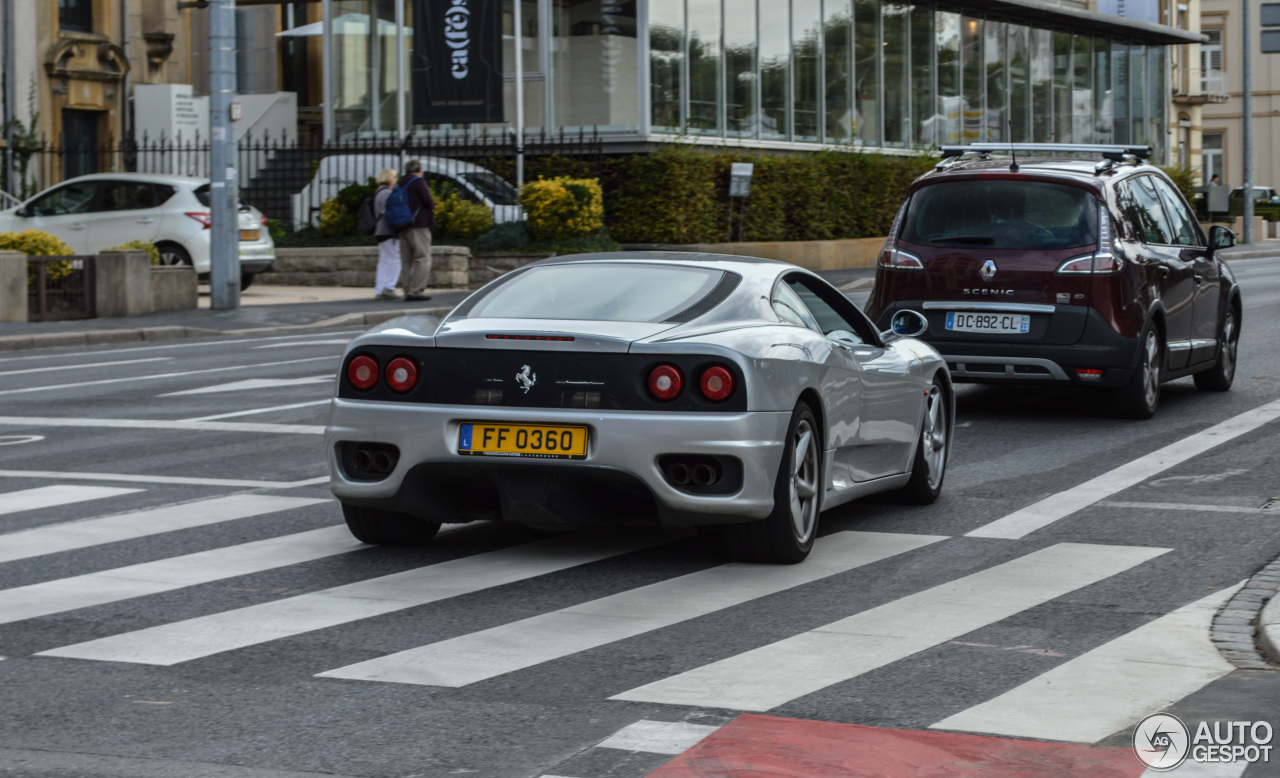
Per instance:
(1221,238)
(905,324)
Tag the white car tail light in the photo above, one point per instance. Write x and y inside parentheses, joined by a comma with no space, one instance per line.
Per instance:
(1105,260)
(201,216)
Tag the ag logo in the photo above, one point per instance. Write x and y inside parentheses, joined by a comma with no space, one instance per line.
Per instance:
(1161,741)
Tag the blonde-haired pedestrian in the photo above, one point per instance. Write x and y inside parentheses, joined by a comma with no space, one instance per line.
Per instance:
(384,285)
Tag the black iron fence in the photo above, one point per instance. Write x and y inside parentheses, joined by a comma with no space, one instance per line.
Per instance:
(287,180)
(60,288)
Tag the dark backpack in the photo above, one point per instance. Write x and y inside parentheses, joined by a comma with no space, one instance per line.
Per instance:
(396,212)
(366,219)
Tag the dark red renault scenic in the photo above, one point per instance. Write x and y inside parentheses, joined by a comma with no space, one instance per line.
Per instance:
(1052,269)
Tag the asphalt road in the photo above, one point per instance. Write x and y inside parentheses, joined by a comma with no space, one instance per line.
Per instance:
(175,578)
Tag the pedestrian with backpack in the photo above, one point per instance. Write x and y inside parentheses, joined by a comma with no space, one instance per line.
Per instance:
(384,285)
(415,236)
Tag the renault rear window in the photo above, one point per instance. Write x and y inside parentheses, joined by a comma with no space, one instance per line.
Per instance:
(586,291)
(1027,215)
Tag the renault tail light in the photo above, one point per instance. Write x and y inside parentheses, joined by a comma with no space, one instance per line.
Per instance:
(1105,260)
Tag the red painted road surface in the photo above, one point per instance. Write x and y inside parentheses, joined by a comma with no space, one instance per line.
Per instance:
(768,747)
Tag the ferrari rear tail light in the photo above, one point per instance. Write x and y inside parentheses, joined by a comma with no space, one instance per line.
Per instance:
(201,216)
(1104,261)
(716,383)
(402,374)
(897,259)
(363,372)
(665,382)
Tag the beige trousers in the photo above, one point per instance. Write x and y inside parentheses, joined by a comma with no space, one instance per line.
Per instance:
(415,260)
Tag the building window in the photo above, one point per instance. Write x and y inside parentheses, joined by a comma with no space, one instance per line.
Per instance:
(740,73)
(1062,87)
(775,72)
(923,105)
(806,26)
(704,66)
(666,63)
(75,15)
(972,79)
(1211,158)
(1211,77)
(1082,90)
(947,43)
(996,70)
(838,56)
(1019,61)
(1041,86)
(594,54)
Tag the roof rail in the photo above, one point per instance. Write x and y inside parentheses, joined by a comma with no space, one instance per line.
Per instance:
(1114,153)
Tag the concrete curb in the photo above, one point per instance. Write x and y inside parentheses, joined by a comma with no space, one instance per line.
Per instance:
(1246,629)
(173,332)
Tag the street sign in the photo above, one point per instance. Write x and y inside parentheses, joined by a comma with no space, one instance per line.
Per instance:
(740,179)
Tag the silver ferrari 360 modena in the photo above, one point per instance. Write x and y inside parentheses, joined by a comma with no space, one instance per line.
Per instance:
(638,388)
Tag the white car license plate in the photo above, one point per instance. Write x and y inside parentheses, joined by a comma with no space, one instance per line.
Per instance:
(1002,323)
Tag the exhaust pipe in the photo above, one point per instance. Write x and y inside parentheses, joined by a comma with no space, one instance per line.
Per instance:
(678,473)
(380,462)
(361,460)
(704,475)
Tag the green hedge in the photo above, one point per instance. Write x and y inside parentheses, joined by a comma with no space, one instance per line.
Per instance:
(679,194)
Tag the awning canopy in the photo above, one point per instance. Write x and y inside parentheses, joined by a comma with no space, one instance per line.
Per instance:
(1054,15)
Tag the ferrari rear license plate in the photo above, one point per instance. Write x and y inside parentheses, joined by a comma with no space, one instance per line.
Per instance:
(999,323)
(248,234)
(541,441)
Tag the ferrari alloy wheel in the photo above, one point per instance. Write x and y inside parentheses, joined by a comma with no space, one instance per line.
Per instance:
(1139,398)
(786,536)
(1219,377)
(387,528)
(929,467)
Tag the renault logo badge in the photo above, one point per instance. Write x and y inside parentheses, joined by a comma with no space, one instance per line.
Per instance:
(988,270)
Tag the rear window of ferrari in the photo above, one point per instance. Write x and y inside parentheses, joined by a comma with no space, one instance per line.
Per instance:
(612,291)
(1028,215)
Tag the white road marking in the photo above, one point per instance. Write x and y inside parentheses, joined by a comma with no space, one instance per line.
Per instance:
(179,373)
(658,737)
(186,344)
(1045,512)
(123,583)
(169,644)
(52,496)
(177,425)
(1110,688)
(56,538)
(81,367)
(330,342)
(1177,506)
(777,673)
(18,440)
(480,655)
(254,411)
(254,383)
(163,479)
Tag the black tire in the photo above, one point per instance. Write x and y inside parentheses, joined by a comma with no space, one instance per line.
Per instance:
(1223,373)
(246,281)
(388,528)
(786,536)
(173,254)
(929,467)
(1141,396)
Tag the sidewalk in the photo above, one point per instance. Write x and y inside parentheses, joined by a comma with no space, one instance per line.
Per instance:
(265,309)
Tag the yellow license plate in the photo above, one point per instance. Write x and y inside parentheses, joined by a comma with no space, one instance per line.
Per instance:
(248,234)
(542,441)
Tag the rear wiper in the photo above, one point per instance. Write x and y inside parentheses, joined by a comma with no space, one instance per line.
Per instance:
(984,240)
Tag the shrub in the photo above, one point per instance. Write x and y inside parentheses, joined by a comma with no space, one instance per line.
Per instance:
(35,243)
(508,235)
(142,245)
(459,218)
(338,213)
(1183,177)
(559,208)
(679,194)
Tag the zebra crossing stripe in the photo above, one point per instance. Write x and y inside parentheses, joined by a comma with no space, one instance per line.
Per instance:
(122,583)
(169,644)
(1110,688)
(53,496)
(480,655)
(658,737)
(775,674)
(127,526)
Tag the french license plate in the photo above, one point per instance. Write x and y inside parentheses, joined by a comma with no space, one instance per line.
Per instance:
(248,234)
(542,441)
(1003,323)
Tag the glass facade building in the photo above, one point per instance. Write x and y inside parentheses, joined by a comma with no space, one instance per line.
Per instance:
(873,74)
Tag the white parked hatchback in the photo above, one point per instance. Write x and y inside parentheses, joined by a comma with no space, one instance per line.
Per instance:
(99,211)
